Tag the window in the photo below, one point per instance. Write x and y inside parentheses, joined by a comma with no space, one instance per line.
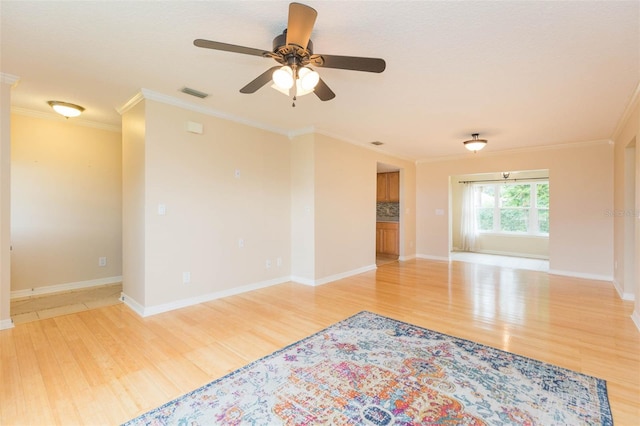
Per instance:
(521,208)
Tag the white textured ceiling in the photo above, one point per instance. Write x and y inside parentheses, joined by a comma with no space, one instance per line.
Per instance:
(520,73)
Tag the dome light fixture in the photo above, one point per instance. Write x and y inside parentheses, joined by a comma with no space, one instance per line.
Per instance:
(66,109)
(475,144)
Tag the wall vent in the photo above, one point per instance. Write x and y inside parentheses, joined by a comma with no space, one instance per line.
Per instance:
(194,92)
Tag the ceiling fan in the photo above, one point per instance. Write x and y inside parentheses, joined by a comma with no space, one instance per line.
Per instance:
(293,50)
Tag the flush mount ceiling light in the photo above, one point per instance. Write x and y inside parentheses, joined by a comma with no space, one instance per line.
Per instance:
(475,144)
(66,109)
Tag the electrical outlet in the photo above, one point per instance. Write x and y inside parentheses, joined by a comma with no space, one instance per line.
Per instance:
(268,263)
(186,277)
(279,262)
(102,261)
(240,243)
(237,173)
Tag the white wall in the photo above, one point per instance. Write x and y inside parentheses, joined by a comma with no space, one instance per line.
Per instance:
(580,196)
(66,204)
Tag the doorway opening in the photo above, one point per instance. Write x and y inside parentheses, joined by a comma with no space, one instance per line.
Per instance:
(388,224)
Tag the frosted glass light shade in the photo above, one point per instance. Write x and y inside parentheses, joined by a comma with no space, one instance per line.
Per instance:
(283,77)
(66,109)
(475,144)
(308,78)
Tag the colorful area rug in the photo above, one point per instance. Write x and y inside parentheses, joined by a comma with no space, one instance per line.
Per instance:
(373,370)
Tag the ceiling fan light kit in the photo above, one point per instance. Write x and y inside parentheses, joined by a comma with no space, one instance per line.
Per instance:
(475,144)
(283,77)
(65,108)
(293,50)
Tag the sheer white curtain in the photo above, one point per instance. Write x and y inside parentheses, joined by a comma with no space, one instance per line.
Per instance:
(468,221)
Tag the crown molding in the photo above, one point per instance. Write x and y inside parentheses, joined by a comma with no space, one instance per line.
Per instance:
(518,150)
(170,100)
(130,103)
(57,117)
(303,131)
(9,79)
(631,105)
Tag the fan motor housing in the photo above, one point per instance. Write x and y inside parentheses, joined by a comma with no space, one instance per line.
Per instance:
(280,42)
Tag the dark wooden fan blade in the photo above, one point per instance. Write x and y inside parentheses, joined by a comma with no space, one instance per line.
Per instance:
(301,20)
(216,45)
(259,81)
(349,63)
(323,92)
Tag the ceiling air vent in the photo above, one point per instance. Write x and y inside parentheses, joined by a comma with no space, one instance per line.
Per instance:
(194,92)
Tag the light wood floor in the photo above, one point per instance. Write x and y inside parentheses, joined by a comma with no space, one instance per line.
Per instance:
(108,365)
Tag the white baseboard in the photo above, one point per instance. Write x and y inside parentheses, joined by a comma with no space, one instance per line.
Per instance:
(405,258)
(513,254)
(335,277)
(64,287)
(581,275)
(145,311)
(621,293)
(635,317)
(301,280)
(6,324)
(429,257)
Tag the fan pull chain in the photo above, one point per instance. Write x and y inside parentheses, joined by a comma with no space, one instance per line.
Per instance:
(293,105)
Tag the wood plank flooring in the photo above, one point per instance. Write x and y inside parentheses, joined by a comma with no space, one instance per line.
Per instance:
(108,365)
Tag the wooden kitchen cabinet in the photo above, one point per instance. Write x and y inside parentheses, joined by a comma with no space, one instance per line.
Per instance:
(387,241)
(388,187)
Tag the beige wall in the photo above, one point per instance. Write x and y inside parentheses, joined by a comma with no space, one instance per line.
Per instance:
(133,203)
(625,214)
(303,241)
(208,208)
(581,240)
(346,206)
(345,200)
(66,203)
(308,201)
(5,202)
(334,208)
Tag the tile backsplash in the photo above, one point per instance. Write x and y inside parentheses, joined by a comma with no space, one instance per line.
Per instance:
(388,210)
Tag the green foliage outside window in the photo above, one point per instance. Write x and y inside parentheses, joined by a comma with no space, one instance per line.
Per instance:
(485,222)
(515,195)
(513,204)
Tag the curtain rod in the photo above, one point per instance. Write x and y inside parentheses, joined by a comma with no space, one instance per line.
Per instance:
(503,180)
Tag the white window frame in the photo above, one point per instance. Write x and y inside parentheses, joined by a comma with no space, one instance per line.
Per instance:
(533,224)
